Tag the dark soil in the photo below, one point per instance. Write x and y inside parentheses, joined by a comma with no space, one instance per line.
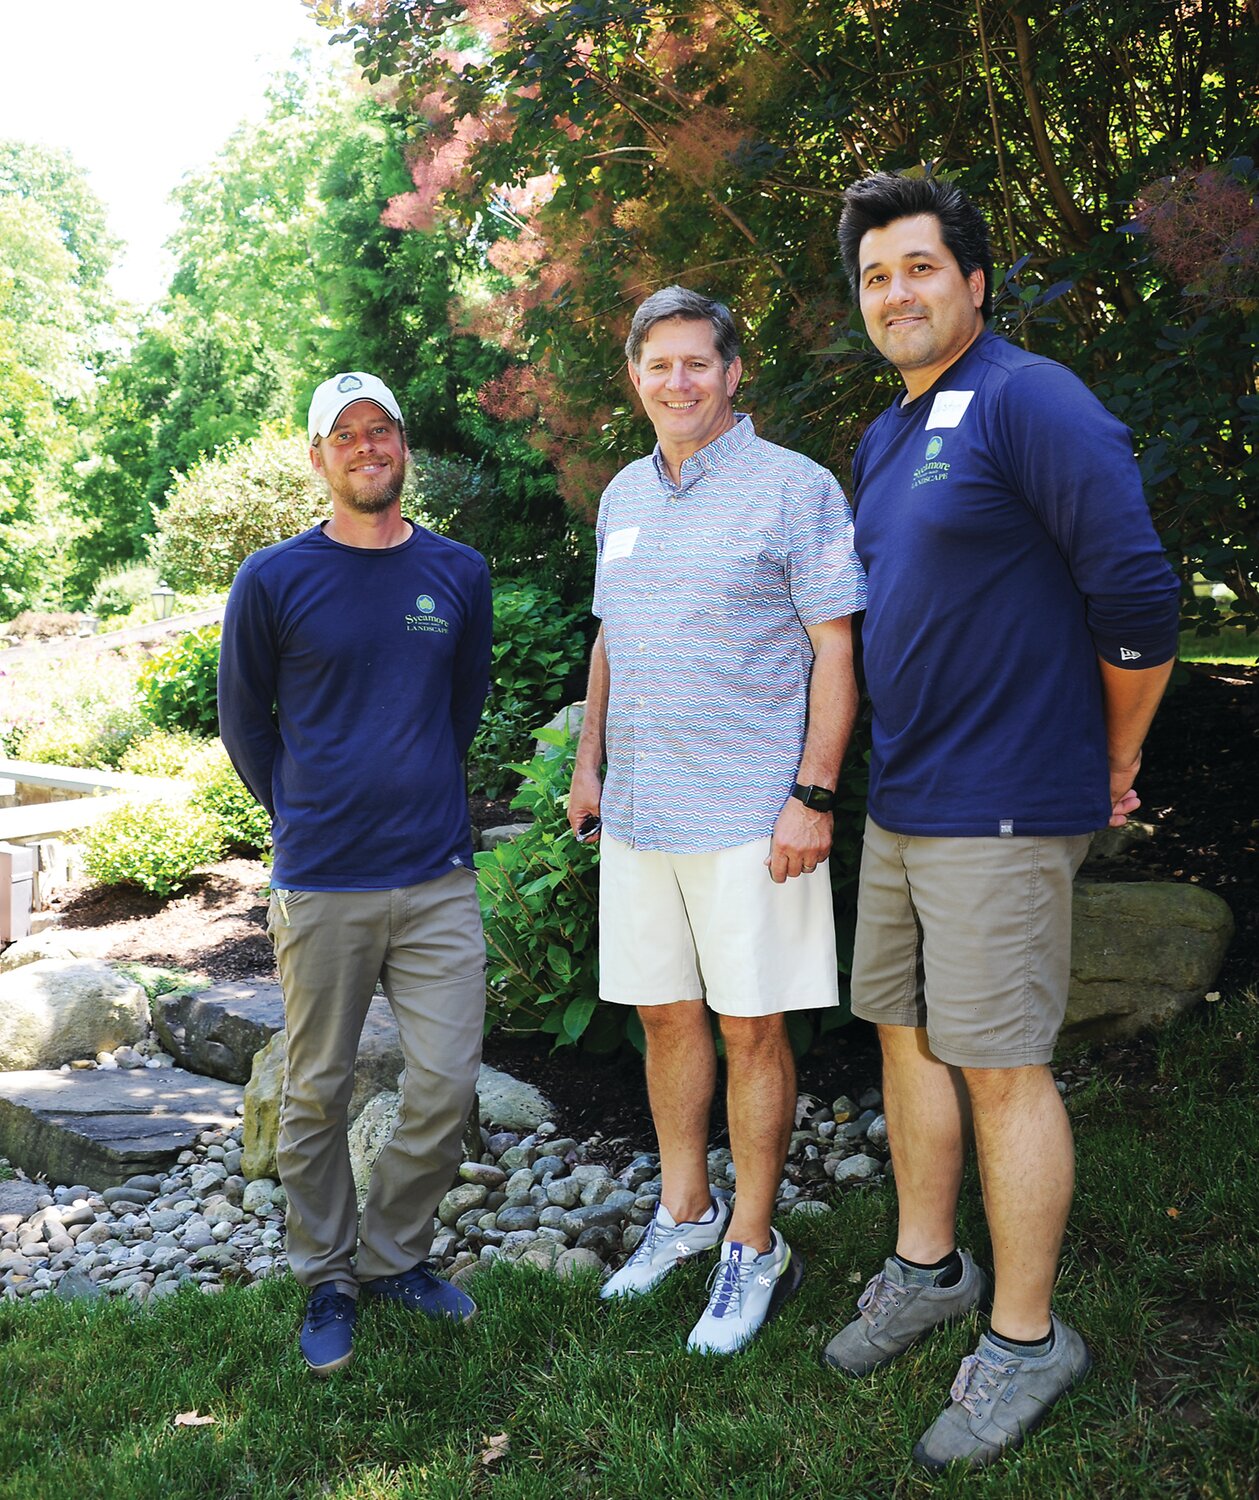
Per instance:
(1198,782)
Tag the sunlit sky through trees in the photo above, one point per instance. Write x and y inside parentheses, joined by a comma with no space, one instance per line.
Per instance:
(140,94)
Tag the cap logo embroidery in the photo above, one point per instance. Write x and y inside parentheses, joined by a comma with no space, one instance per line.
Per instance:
(349,383)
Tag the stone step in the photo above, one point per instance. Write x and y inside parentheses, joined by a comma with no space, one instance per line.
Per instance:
(100,1127)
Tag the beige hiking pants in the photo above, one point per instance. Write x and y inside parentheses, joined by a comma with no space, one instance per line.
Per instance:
(425,946)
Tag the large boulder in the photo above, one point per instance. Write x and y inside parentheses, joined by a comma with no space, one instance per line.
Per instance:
(53,943)
(263,1094)
(218,1031)
(57,1009)
(370,1134)
(376,1070)
(569,718)
(1141,954)
(510,1104)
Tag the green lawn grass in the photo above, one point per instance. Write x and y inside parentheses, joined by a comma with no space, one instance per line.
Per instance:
(1235,647)
(1160,1274)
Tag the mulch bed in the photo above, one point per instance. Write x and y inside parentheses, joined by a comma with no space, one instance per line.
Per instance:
(1198,783)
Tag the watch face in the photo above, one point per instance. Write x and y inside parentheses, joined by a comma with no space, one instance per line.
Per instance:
(820,798)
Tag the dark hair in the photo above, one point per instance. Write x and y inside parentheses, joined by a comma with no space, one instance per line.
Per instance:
(876,201)
(678,302)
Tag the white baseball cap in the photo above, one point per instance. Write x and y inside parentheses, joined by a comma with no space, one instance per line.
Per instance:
(339,391)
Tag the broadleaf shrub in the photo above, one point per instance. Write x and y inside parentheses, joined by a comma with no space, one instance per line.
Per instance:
(539,902)
(539,651)
(93,736)
(83,713)
(164,752)
(179,686)
(155,844)
(219,791)
(540,905)
(227,506)
(119,591)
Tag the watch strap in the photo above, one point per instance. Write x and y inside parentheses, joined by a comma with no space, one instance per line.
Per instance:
(819,798)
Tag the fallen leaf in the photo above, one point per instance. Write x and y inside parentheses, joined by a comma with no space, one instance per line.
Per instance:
(1173,1213)
(495,1448)
(193,1418)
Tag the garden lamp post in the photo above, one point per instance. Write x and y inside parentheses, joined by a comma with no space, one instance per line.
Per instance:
(163,600)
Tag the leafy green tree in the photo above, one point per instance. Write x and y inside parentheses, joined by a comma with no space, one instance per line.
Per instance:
(55,317)
(601,150)
(116,472)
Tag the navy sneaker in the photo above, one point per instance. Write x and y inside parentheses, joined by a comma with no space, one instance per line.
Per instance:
(418,1290)
(328,1329)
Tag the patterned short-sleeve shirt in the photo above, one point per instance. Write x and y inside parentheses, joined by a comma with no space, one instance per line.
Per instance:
(704,589)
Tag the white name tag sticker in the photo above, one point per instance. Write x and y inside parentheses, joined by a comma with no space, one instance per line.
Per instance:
(948,408)
(619,543)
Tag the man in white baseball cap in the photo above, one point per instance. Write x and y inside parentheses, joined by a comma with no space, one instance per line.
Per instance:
(354,668)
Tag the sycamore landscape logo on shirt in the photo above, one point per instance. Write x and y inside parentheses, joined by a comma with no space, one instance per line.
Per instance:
(934,469)
(424,619)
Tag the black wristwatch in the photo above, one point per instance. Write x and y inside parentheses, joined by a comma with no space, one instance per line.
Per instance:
(819,798)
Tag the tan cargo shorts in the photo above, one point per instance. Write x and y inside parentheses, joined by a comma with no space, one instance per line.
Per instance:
(969,938)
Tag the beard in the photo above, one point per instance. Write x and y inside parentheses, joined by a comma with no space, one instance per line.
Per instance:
(372,497)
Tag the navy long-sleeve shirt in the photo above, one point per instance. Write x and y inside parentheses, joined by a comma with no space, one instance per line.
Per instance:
(351,683)
(1008,546)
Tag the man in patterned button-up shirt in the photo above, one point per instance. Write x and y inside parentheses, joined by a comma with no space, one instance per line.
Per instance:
(721,698)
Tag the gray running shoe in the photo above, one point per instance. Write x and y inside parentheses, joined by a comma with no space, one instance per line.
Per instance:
(999,1397)
(665,1246)
(895,1315)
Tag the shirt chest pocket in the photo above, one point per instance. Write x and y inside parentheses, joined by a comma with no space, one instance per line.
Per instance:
(747,570)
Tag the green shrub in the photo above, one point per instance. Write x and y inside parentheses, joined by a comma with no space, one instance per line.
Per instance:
(179,686)
(121,590)
(88,735)
(540,906)
(539,652)
(164,752)
(539,902)
(155,844)
(82,711)
(228,506)
(219,791)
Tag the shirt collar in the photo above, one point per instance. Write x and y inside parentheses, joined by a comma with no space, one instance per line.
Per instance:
(711,457)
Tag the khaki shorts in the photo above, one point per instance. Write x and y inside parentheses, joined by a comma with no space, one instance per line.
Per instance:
(969,937)
(714,927)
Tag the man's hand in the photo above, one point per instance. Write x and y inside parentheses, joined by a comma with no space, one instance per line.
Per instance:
(583,799)
(1123,796)
(801,841)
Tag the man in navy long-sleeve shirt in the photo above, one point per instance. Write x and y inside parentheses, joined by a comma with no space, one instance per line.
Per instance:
(1020,631)
(354,668)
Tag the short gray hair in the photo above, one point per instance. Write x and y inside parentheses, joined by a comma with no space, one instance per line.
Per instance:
(678,302)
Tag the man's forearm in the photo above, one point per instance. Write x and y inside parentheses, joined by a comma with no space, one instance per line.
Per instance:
(590,745)
(832,704)
(1131,699)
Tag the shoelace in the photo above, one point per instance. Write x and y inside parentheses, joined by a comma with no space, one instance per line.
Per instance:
(727,1280)
(325,1308)
(880,1296)
(977,1379)
(643,1249)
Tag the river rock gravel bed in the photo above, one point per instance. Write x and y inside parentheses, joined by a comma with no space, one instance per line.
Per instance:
(543,1199)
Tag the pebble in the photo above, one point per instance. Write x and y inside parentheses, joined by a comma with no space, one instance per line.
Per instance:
(541,1200)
